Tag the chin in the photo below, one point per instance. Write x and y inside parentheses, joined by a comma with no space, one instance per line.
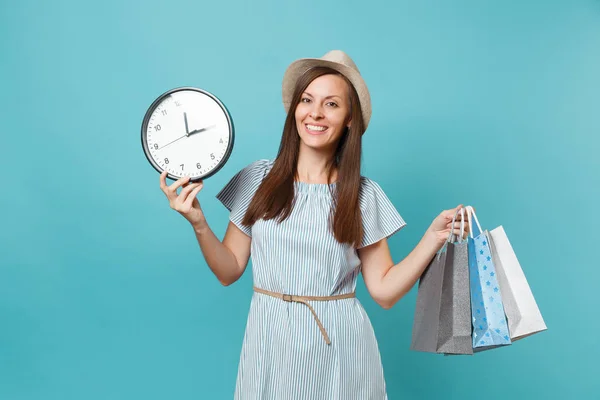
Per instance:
(316,143)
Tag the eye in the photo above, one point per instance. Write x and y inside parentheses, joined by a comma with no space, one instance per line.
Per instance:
(332,104)
(305,100)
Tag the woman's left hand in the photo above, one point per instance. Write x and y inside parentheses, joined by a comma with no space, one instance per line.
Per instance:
(442,225)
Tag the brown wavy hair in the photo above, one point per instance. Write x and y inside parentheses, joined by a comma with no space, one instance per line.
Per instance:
(274,197)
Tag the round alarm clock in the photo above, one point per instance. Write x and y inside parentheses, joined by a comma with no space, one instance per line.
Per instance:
(187,132)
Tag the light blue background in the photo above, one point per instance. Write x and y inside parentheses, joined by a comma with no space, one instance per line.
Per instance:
(104,293)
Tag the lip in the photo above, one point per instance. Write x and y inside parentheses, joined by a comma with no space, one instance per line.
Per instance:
(314,132)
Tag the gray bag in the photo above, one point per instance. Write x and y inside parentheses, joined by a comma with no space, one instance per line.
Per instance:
(442,322)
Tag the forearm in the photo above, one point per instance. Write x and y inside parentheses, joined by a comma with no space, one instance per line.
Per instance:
(401,277)
(219,258)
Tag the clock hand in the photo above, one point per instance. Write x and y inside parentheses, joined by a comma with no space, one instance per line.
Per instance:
(189,134)
(202,129)
(187,131)
(172,142)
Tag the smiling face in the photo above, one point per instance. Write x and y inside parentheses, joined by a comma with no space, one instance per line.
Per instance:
(323,113)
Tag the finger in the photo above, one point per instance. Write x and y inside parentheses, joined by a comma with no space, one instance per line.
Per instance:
(163,180)
(456,225)
(190,199)
(457,233)
(189,182)
(179,202)
(174,186)
(449,214)
(185,201)
(186,191)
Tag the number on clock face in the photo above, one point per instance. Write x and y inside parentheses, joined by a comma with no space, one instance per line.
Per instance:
(188,133)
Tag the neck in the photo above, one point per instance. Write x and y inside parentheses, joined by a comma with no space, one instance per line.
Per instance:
(313,166)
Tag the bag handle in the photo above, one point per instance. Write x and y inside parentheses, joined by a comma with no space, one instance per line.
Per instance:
(451,234)
(470,217)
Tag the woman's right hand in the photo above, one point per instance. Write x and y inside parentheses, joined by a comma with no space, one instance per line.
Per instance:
(185,203)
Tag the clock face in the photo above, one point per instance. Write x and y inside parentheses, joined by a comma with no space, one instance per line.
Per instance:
(187,132)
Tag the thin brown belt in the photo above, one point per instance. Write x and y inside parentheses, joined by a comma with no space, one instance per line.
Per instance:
(304,300)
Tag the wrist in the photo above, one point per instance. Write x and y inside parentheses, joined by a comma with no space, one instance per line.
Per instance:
(200,227)
(433,240)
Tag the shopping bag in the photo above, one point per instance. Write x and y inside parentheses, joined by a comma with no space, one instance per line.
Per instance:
(442,321)
(490,328)
(522,312)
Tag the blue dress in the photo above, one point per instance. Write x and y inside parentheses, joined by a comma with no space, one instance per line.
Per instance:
(284,355)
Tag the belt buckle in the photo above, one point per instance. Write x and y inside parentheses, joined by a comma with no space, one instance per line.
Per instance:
(287,297)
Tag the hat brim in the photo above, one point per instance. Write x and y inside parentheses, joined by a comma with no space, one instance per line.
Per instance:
(299,67)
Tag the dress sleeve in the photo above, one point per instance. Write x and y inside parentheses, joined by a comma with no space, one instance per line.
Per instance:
(380,218)
(237,194)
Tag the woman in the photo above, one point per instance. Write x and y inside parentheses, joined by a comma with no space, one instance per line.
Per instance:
(312,224)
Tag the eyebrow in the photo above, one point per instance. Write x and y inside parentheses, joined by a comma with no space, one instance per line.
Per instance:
(328,97)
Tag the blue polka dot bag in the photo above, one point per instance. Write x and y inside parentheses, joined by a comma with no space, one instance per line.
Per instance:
(490,328)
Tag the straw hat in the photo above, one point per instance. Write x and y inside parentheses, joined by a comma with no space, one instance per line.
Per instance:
(337,60)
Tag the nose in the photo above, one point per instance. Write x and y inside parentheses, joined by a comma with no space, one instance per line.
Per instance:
(316,112)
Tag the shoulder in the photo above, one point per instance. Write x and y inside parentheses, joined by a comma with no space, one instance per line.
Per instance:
(370,190)
(368,183)
(261,163)
(256,170)
(239,190)
(261,166)
(380,217)
(373,199)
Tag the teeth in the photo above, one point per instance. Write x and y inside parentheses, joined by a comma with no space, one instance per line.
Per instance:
(316,128)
